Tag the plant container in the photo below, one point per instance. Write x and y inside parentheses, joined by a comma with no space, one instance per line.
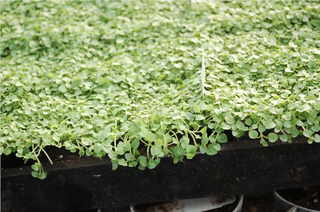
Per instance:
(78,183)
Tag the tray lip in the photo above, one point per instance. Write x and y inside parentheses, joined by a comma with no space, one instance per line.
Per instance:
(88,161)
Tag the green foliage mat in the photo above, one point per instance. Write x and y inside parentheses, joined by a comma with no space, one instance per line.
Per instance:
(107,78)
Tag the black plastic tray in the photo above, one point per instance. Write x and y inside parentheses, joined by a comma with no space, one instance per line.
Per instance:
(241,167)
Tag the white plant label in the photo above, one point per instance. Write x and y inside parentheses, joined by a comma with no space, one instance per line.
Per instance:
(203,73)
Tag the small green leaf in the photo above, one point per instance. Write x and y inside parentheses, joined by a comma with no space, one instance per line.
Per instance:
(225,126)
(308,133)
(217,146)
(180,150)
(211,150)
(129,156)
(287,116)
(156,151)
(269,124)
(273,137)
(114,165)
(32,44)
(35,167)
(248,122)
(191,151)
(122,162)
(229,119)
(284,138)
(150,136)
(34,174)
(43,175)
(113,155)
(263,142)
(151,164)
(222,138)
(104,134)
(203,149)
(196,108)
(199,117)
(253,134)
(63,88)
(143,160)
(97,148)
(240,125)
(300,123)
(261,128)
(189,116)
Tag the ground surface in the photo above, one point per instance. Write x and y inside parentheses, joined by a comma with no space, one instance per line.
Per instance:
(263,203)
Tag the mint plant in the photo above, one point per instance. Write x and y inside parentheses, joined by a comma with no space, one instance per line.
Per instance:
(125,80)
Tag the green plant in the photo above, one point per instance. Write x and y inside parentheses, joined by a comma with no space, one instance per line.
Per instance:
(110,79)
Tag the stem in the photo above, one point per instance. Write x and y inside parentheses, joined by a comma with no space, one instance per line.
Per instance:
(47,155)
(193,137)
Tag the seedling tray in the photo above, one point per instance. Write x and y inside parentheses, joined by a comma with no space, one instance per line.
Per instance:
(241,167)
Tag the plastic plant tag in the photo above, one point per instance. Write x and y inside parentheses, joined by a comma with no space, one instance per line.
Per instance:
(194,205)
(203,73)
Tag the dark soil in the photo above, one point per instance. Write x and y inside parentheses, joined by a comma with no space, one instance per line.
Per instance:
(305,197)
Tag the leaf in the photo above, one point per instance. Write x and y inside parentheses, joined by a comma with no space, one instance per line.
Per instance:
(248,122)
(240,125)
(32,44)
(211,150)
(150,136)
(97,148)
(189,116)
(34,174)
(152,164)
(263,142)
(129,156)
(284,138)
(225,126)
(222,138)
(262,128)
(229,119)
(143,160)
(216,146)
(196,108)
(180,150)
(178,65)
(269,124)
(104,134)
(63,88)
(43,175)
(199,117)
(113,155)
(287,116)
(114,165)
(191,151)
(273,137)
(308,133)
(253,134)
(203,149)
(156,151)
(122,162)
(312,64)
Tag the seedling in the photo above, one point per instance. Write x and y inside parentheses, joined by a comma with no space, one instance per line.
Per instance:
(111,81)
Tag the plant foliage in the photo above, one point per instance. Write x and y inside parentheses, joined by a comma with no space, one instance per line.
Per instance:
(107,78)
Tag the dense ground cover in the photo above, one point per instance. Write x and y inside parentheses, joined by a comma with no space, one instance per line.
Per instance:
(107,78)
